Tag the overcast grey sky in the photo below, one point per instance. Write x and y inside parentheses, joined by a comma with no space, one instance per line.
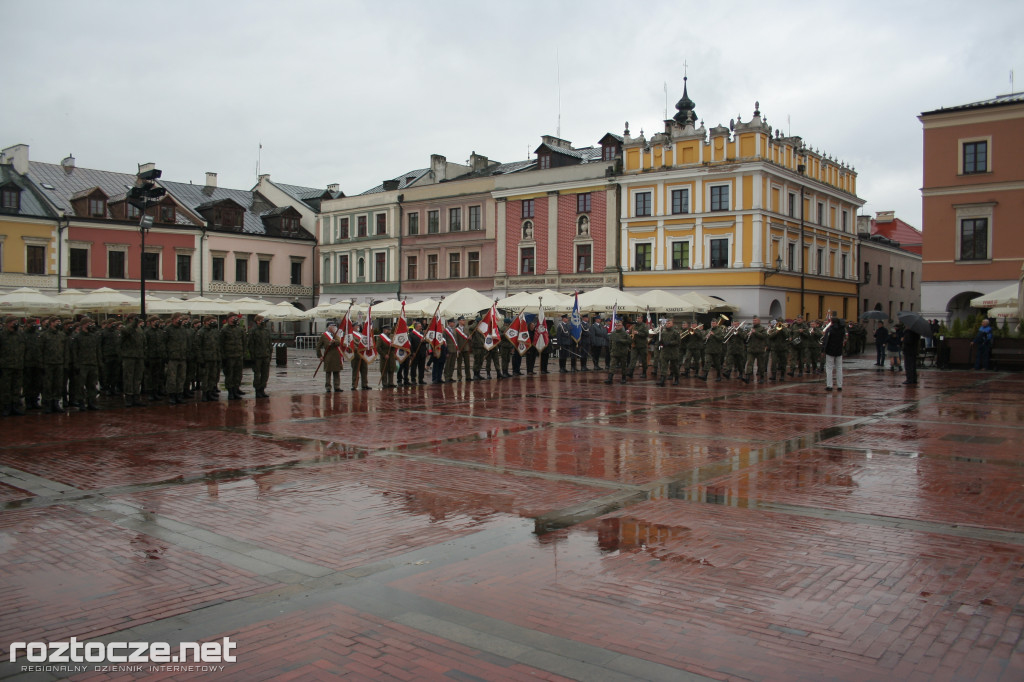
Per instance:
(355,92)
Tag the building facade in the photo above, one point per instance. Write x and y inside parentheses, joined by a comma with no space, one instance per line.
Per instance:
(29,228)
(972,202)
(739,213)
(890,275)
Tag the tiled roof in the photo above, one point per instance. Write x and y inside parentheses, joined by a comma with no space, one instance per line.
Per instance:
(908,236)
(1001,100)
(31,203)
(404,180)
(60,184)
(194,197)
(304,194)
(501,169)
(585,155)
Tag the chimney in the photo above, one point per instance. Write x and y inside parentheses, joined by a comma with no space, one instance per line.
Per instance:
(333,188)
(17,156)
(68,162)
(261,178)
(390,185)
(556,141)
(439,167)
(211,179)
(885,216)
(478,162)
(863,224)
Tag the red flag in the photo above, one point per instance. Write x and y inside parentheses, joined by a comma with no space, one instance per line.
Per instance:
(615,317)
(489,328)
(541,339)
(367,346)
(401,342)
(347,337)
(435,333)
(519,334)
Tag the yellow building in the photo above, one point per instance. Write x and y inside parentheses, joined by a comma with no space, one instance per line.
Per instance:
(28,228)
(723,212)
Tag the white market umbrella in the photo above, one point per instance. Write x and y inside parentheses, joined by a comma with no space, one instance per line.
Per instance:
(463,302)
(666,302)
(390,308)
(530,301)
(284,312)
(422,308)
(107,300)
(249,306)
(1006,296)
(706,304)
(1004,311)
(200,305)
(29,301)
(605,299)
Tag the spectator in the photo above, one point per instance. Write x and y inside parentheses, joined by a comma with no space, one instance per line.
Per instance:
(881,338)
(983,345)
(894,346)
(832,341)
(911,343)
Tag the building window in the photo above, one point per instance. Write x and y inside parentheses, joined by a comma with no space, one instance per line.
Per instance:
(821,213)
(151,265)
(791,256)
(78,262)
(35,260)
(911,281)
(115,264)
(133,212)
(241,269)
(527,207)
(473,264)
(296,277)
(892,277)
(528,230)
(342,228)
(642,257)
(184,267)
(361,226)
(290,225)
(842,266)
(543,161)
(720,198)
(453,266)
(583,257)
(527,264)
(97,207)
(680,255)
(902,283)
(819,263)
(879,280)
(414,223)
(642,203)
(410,267)
(11,198)
(720,253)
(975,157)
(361,269)
(974,239)
(455,220)
(474,218)
(217,269)
(382,223)
(867,273)
(343,273)
(432,266)
(583,203)
(608,153)
(166,213)
(680,201)
(263,272)
(433,222)
(846,221)
(792,204)
(380,267)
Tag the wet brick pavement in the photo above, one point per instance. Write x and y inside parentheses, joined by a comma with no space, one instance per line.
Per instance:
(542,527)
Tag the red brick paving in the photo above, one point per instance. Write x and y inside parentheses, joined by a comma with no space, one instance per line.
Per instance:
(67,574)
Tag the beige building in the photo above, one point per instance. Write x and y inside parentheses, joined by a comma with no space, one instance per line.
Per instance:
(890,276)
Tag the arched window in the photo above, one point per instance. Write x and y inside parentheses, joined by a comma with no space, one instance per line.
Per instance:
(528,229)
(362,267)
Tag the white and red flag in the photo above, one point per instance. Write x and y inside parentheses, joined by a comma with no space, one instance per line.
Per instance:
(401,342)
(541,339)
(435,333)
(347,337)
(489,328)
(519,333)
(367,345)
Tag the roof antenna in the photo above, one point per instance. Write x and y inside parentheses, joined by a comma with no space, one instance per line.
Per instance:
(259,156)
(558,76)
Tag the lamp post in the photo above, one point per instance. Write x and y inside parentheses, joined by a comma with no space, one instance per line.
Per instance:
(62,222)
(802,169)
(778,268)
(144,194)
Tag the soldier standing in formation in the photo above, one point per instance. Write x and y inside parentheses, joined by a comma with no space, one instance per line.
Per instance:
(232,348)
(640,338)
(12,362)
(53,351)
(177,342)
(328,352)
(209,354)
(669,344)
(386,358)
(778,346)
(757,351)
(619,343)
(714,351)
(259,351)
(735,351)
(133,360)
(88,357)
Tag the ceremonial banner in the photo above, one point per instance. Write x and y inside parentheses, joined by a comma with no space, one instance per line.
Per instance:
(615,317)
(435,333)
(346,333)
(401,342)
(541,339)
(519,334)
(489,328)
(367,346)
(575,323)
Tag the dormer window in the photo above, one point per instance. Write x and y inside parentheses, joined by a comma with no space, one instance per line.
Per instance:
(97,207)
(290,225)
(227,217)
(10,196)
(167,213)
(543,161)
(608,153)
(133,212)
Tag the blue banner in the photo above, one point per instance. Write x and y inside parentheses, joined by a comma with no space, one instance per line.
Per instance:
(575,324)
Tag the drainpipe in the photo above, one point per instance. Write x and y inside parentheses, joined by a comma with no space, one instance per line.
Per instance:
(62,222)
(398,256)
(202,276)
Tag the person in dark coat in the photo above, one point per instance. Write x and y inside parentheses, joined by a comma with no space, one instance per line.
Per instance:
(833,340)
(911,342)
(881,338)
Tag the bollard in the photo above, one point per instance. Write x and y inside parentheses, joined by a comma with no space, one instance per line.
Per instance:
(281,353)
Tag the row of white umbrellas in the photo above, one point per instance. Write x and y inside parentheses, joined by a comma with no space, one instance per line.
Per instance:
(1004,302)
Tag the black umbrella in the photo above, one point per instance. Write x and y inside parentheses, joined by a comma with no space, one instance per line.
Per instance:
(915,323)
(874,315)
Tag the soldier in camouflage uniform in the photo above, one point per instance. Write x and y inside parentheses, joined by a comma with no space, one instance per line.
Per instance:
(33,376)
(178,344)
(387,362)
(110,345)
(88,357)
(133,360)
(692,348)
(799,337)
(208,339)
(640,339)
(815,361)
(619,343)
(476,345)
(12,367)
(669,345)
(232,351)
(53,354)
(757,351)
(735,351)
(69,383)
(156,357)
(194,364)
(259,351)
(714,351)
(778,347)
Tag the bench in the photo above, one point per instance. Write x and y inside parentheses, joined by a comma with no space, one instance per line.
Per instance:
(1007,358)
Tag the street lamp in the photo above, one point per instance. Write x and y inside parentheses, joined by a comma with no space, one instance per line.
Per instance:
(778,267)
(144,194)
(62,222)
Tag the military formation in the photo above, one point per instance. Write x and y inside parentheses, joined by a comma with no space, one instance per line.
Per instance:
(55,364)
